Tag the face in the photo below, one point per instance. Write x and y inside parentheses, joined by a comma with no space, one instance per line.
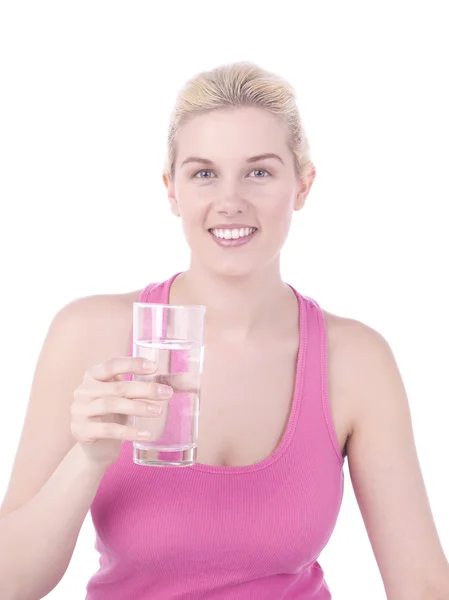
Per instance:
(235,188)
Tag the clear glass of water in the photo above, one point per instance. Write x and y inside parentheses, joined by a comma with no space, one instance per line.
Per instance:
(173,338)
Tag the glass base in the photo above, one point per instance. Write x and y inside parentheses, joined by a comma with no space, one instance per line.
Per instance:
(164,457)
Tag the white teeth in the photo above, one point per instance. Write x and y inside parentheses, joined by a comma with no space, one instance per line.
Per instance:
(233,234)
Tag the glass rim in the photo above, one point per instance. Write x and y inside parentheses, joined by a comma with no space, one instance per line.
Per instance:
(174,306)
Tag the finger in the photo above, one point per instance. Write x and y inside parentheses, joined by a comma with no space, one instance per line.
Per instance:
(93,431)
(151,390)
(112,367)
(115,405)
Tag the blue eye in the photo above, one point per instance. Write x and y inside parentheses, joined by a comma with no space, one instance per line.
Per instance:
(264,171)
(200,174)
(208,174)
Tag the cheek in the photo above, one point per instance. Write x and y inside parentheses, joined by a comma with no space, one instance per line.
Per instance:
(186,203)
(280,207)
(193,213)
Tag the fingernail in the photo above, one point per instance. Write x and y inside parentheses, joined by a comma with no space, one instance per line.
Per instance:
(145,434)
(165,391)
(154,409)
(149,365)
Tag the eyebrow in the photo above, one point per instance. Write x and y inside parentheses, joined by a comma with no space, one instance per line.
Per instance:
(252,159)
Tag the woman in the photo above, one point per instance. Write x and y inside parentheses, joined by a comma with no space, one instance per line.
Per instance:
(288,391)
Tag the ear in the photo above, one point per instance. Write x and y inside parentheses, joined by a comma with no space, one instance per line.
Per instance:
(171,194)
(304,185)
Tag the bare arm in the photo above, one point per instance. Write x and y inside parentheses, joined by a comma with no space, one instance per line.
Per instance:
(37,539)
(52,483)
(385,471)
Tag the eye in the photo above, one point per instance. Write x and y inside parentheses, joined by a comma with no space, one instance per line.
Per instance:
(203,174)
(260,173)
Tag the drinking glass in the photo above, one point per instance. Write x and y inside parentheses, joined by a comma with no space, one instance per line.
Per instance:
(173,338)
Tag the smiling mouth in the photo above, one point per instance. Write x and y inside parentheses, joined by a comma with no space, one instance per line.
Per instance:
(233,234)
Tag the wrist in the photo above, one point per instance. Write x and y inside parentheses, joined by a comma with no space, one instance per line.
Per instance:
(89,467)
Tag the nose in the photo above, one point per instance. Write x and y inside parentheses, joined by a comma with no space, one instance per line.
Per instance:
(230,202)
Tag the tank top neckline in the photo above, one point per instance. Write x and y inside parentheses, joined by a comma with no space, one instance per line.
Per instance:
(289,430)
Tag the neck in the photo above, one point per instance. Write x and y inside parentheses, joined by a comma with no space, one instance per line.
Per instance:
(240,307)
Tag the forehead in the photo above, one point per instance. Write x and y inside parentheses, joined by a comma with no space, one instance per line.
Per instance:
(234,133)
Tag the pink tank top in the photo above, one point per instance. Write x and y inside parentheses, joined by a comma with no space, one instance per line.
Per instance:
(228,533)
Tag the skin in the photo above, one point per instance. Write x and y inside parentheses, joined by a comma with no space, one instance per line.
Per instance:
(249,307)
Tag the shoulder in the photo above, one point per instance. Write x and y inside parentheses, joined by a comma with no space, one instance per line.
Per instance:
(97,320)
(358,350)
(98,308)
(359,357)
(350,336)
(355,349)
(344,332)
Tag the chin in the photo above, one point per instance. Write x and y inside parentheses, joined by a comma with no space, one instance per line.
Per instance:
(233,269)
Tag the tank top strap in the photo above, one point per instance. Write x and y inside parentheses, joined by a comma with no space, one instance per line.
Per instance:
(157,293)
(315,403)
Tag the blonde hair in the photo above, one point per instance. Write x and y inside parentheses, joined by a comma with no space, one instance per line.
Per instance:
(234,85)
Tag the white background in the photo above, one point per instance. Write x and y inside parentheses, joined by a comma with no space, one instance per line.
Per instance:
(87,88)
